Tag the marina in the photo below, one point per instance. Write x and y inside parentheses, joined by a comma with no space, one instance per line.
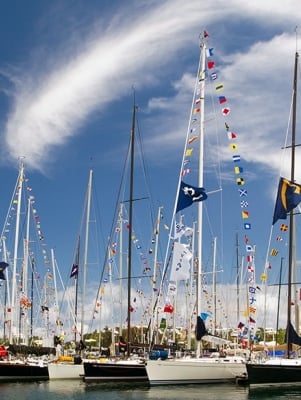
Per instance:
(151,197)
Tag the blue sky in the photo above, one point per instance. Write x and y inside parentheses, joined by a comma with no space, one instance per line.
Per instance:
(67,69)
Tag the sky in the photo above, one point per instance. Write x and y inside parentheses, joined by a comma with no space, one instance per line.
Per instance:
(68,72)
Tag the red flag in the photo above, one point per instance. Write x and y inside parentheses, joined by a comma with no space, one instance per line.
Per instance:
(168,308)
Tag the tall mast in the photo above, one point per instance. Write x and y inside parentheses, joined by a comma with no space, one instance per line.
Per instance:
(237,280)
(214,320)
(200,180)
(153,308)
(15,258)
(120,221)
(24,286)
(291,258)
(86,251)
(130,227)
(76,261)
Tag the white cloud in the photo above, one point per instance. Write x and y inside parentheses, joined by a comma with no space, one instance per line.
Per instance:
(52,105)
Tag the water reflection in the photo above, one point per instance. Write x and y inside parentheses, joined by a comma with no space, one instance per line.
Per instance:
(79,390)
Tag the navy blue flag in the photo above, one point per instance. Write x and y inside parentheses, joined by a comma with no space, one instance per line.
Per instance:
(74,271)
(3,265)
(189,194)
(291,335)
(288,197)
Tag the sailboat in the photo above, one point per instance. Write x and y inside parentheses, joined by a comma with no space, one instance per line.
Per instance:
(288,369)
(130,369)
(15,364)
(198,369)
(63,367)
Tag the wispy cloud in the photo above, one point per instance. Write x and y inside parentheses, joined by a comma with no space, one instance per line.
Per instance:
(50,106)
(49,109)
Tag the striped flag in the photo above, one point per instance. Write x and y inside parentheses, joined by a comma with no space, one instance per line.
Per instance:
(236,158)
(219,87)
(186,171)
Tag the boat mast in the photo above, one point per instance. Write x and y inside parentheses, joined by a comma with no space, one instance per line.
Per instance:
(132,152)
(278,302)
(15,258)
(6,292)
(153,301)
(120,221)
(214,319)
(237,279)
(86,252)
(292,249)
(200,181)
(76,289)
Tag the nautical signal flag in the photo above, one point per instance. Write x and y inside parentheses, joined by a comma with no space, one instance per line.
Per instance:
(162,323)
(209,52)
(219,87)
(283,227)
(274,252)
(263,277)
(192,139)
(240,181)
(238,170)
(189,194)
(243,192)
(74,271)
(231,135)
(252,309)
(211,64)
(3,265)
(245,214)
(288,197)
(226,111)
(222,99)
(168,308)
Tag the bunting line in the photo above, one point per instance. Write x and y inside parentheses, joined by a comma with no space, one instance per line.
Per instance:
(241,182)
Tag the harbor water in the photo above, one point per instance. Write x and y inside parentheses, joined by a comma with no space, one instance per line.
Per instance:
(78,390)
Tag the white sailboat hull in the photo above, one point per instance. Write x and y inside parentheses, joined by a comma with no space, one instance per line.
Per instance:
(199,370)
(61,370)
